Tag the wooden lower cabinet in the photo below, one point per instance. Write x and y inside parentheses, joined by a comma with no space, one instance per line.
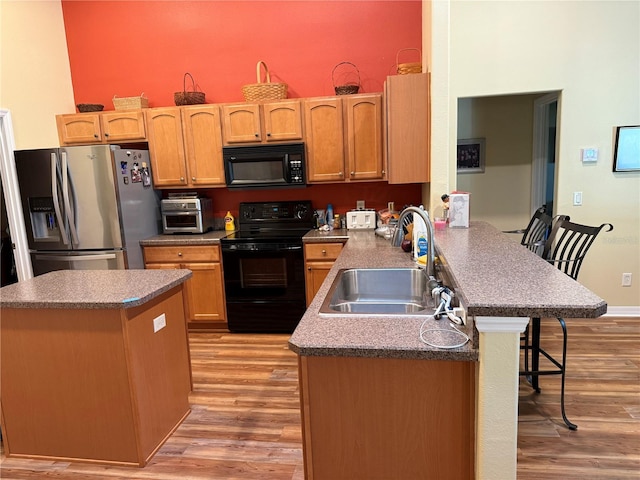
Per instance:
(318,260)
(205,305)
(387,418)
(94,385)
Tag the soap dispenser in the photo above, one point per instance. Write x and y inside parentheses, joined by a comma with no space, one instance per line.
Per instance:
(330,215)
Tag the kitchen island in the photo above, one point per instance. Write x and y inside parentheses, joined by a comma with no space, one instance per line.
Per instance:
(95,365)
(346,363)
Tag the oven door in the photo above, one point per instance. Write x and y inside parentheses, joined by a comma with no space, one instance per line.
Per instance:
(264,286)
(182,222)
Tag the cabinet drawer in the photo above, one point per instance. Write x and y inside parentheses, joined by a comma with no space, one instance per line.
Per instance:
(181,253)
(322,251)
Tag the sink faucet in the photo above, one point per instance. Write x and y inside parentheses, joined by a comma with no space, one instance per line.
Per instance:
(397,236)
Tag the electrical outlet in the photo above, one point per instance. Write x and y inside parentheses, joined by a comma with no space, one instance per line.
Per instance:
(159,323)
(626,279)
(461,313)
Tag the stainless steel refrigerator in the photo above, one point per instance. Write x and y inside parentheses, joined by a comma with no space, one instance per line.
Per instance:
(87,207)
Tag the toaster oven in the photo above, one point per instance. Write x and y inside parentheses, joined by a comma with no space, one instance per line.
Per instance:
(186,213)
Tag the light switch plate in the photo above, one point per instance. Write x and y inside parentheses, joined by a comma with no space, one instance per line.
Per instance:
(577,198)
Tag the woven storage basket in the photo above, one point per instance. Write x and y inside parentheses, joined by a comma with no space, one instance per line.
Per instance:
(348,88)
(188,98)
(90,107)
(412,67)
(261,91)
(128,103)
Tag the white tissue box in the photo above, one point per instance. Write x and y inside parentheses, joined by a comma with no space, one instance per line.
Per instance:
(459,210)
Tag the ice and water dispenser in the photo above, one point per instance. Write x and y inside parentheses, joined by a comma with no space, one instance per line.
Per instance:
(44,224)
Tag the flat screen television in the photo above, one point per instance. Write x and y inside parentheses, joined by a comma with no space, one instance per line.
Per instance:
(626,153)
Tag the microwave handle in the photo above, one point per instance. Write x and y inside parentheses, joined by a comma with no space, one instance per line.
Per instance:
(286,167)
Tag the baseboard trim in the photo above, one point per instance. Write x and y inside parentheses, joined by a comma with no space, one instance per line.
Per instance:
(631,311)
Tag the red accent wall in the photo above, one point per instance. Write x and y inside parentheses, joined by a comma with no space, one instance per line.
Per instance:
(127,47)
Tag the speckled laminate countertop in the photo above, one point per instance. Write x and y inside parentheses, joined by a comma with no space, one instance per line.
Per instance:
(93,289)
(492,275)
(209,238)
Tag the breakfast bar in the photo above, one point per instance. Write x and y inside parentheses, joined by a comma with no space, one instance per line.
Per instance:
(501,285)
(95,365)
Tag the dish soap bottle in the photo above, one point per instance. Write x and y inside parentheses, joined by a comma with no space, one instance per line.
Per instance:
(420,243)
(229,224)
(330,216)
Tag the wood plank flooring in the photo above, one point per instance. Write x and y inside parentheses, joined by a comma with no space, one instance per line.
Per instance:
(245,421)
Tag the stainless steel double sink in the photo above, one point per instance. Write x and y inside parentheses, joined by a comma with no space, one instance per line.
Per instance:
(379,291)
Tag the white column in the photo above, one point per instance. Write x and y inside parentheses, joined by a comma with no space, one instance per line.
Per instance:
(497,397)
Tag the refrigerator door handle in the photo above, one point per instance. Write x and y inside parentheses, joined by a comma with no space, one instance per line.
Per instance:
(67,204)
(73,258)
(54,195)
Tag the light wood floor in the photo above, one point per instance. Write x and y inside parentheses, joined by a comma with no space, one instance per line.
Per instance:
(245,422)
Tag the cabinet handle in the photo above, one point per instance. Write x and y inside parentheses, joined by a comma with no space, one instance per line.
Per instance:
(324,252)
(106,134)
(95,135)
(353,173)
(179,254)
(341,174)
(182,179)
(257,135)
(309,268)
(383,172)
(193,179)
(268,134)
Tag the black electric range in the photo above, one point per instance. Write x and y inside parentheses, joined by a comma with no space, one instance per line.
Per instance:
(263,264)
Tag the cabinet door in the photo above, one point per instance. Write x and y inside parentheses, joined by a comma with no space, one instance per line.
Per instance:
(408,128)
(282,121)
(205,293)
(241,123)
(79,129)
(324,139)
(117,126)
(203,143)
(166,147)
(363,115)
(315,274)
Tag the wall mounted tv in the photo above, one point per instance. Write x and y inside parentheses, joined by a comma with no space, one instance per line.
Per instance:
(626,153)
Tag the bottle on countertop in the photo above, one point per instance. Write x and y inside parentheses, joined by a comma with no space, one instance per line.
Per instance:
(229,224)
(330,215)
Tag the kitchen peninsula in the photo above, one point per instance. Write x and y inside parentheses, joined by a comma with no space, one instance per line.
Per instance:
(367,381)
(95,364)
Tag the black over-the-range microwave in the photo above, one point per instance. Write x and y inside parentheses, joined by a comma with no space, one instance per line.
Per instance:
(265,166)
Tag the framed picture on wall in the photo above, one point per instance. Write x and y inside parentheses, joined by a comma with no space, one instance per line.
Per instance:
(626,153)
(471,155)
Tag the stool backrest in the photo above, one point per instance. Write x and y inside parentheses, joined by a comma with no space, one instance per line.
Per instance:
(535,235)
(568,243)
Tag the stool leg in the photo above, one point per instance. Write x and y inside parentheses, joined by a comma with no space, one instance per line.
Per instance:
(535,353)
(572,426)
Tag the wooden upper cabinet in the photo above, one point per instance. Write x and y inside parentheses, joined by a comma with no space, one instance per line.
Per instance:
(324,138)
(408,128)
(79,128)
(127,125)
(344,138)
(241,123)
(282,121)
(100,127)
(166,147)
(364,137)
(203,144)
(262,123)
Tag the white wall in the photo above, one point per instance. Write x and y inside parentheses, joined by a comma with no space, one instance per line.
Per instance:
(502,194)
(590,51)
(35,76)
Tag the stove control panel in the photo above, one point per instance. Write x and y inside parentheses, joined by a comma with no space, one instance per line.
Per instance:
(266,212)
